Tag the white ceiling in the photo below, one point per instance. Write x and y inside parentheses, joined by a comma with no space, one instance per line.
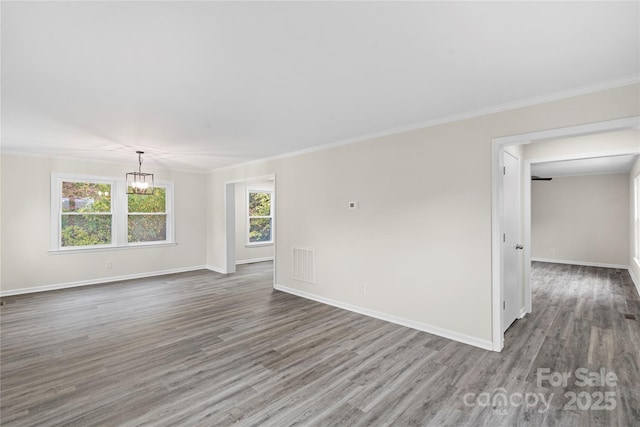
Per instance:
(590,166)
(203,85)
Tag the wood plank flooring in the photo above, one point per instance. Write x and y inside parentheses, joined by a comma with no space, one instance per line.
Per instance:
(203,349)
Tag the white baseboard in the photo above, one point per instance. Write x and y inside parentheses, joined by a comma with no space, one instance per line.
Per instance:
(523,312)
(635,280)
(98,281)
(252,260)
(588,264)
(452,335)
(216,269)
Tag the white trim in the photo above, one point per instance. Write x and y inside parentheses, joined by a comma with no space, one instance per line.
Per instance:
(81,249)
(154,164)
(252,260)
(585,263)
(635,223)
(252,179)
(55,207)
(497,334)
(119,214)
(216,269)
(99,281)
(258,244)
(247,217)
(230,227)
(526,217)
(555,96)
(590,155)
(446,333)
(635,280)
(616,172)
(497,146)
(523,312)
(579,130)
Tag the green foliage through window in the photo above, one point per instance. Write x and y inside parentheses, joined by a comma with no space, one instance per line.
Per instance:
(260,219)
(86,230)
(148,204)
(147,228)
(259,204)
(147,221)
(260,229)
(86,197)
(94,211)
(86,214)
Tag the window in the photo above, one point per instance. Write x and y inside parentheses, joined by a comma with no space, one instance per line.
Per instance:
(260,217)
(637,216)
(96,213)
(147,219)
(85,214)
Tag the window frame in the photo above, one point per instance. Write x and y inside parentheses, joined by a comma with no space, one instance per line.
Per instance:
(248,242)
(636,185)
(119,214)
(168,211)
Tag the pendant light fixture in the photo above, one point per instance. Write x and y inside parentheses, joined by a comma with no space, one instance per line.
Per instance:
(138,182)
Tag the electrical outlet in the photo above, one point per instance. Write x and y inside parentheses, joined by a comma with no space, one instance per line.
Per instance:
(553,250)
(107,264)
(363,288)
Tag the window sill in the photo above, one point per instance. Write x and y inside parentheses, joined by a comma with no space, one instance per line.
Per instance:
(110,248)
(257,245)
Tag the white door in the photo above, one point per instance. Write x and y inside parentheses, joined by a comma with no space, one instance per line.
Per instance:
(511,247)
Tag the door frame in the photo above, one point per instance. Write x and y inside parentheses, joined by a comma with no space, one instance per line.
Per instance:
(497,195)
(520,313)
(230,220)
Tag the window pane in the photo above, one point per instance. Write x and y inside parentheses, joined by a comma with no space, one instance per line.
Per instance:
(147,228)
(259,229)
(86,197)
(85,230)
(259,204)
(153,203)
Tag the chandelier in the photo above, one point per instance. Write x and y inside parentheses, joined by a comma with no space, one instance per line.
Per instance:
(139,182)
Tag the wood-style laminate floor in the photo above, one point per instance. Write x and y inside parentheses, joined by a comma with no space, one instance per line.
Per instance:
(203,349)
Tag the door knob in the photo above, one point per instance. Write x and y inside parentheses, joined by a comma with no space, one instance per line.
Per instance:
(518,246)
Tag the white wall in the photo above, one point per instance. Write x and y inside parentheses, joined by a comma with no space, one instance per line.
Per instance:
(26,262)
(246,253)
(583,219)
(634,263)
(421,240)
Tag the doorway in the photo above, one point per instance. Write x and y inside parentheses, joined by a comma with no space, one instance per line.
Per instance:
(498,222)
(250,221)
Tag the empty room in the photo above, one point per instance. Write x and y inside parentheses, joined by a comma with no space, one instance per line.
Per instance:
(319,213)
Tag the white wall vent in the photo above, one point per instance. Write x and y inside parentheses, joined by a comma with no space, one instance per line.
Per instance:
(303,264)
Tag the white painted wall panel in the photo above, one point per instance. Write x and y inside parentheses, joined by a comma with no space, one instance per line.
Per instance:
(581,218)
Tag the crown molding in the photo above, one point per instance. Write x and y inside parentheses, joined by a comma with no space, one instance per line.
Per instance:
(555,96)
